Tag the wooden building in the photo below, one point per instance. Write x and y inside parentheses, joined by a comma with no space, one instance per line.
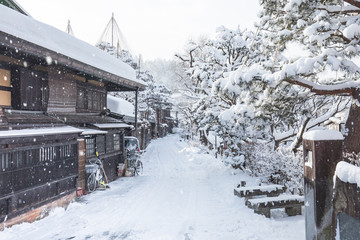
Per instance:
(53,90)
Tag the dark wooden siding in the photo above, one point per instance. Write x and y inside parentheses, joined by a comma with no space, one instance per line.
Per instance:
(36,171)
(62,95)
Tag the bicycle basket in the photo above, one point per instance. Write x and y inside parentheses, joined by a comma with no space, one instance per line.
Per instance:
(91,168)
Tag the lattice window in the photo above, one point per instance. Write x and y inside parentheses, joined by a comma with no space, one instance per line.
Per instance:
(117,142)
(90,147)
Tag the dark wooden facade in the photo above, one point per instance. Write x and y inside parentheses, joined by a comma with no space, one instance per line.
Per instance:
(34,172)
(45,107)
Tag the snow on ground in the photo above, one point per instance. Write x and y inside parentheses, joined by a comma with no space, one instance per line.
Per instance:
(183,194)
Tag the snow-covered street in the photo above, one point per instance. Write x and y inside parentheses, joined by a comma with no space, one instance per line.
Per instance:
(183,194)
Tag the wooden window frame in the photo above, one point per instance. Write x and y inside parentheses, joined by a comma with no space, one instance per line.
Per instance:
(117,141)
(100,142)
(6,88)
(109,142)
(94,98)
(90,146)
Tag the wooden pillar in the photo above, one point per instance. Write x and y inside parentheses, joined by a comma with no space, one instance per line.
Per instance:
(81,181)
(136,110)
(322,151)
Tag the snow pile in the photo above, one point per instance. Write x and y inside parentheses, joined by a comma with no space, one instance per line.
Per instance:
(348,173)
(318,135)
(31,30)
(120,106)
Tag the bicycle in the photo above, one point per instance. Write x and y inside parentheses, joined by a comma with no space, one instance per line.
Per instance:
(135,163)
(96,178)
(133,155)
(138,167)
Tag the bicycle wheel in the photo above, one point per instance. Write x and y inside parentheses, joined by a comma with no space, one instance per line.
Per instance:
(139,167)
(91,182)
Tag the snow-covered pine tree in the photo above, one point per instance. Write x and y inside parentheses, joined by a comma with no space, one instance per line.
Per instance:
(205,62)
(329,33)
(281,108)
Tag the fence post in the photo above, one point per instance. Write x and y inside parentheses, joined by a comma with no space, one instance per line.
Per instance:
(322,151)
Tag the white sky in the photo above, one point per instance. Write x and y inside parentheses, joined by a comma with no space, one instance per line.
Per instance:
(153,28)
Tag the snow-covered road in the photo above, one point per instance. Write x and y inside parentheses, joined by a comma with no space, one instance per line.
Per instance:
(183,194)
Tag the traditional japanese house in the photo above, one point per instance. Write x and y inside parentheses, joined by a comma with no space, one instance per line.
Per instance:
(53,114)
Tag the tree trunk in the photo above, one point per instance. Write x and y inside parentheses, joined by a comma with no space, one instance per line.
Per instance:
(352,139)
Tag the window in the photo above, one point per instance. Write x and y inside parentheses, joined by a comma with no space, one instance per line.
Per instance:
(109,142)
(116,141)
(95,144)
(90,98)
(5,88)
(112,142)
(90,147)
(100,143)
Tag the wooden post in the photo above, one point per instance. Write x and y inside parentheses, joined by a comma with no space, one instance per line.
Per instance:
(136,110)
(81,181)
(322,151)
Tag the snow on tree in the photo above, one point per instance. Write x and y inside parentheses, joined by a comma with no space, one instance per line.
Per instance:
(293,45)
(278,87)
(205,62)
(328,32)
(156,95)
(307,51)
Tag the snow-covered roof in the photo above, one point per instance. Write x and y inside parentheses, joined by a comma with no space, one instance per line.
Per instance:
(50,38)
(90,131)
(120,106)
(317,135)
(39,132)
(112,125)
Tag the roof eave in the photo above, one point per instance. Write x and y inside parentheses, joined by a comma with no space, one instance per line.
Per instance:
(20,45)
